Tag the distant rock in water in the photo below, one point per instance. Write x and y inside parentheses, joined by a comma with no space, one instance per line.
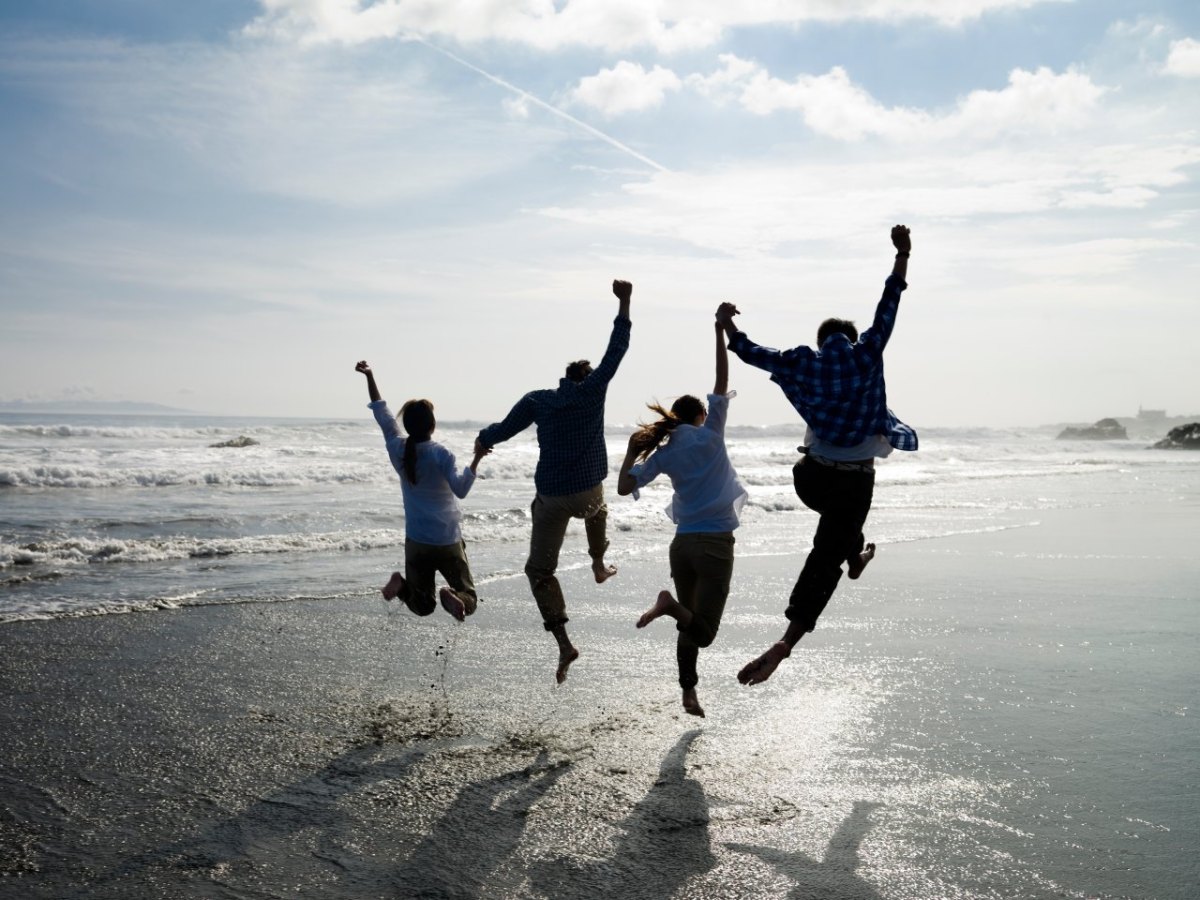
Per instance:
(1183,437)
(239,441)
(1104,430)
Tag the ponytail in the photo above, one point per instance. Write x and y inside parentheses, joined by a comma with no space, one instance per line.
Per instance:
(418,420)
(649,436)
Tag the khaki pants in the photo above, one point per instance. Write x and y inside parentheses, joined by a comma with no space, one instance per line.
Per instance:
(701,567)
(422,562)
(550,518)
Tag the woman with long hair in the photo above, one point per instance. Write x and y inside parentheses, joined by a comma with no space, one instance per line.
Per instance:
(705,507)
(432,486)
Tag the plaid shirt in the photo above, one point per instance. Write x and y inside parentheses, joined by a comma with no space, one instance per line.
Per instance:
(570,424)
(839,389)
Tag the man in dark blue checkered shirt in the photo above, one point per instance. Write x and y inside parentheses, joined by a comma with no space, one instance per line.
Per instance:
(572,465)
(839,391)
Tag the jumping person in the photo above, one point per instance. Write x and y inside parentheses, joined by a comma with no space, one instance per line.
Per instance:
(430,481)
(704,508)
(572,465)
(839,391)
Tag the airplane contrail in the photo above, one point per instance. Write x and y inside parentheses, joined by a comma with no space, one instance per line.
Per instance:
(525,95)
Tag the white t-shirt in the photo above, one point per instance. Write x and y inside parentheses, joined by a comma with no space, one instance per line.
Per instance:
(431,513)
(708,496)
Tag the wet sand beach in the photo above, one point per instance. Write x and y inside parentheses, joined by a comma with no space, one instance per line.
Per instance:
(989,715)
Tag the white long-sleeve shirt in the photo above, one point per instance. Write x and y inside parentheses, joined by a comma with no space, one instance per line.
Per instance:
(431,513)
(708,495)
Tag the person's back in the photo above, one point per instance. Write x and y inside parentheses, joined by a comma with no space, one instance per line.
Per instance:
(839,389)
(431,510)
(572,455)
(707,496)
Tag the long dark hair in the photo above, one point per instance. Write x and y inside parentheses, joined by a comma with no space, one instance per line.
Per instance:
(418,421)
(649,435)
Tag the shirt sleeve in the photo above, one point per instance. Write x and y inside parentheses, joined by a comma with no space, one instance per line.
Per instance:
(618,343)
(644,472)
(385,420)
(460,482)
(718,412)
(518,419)
(876,337)
(777,362)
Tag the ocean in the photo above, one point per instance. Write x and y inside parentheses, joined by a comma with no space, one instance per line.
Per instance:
(1004,706)
(113,514)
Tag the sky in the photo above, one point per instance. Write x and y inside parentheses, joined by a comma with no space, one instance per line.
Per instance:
(222,206)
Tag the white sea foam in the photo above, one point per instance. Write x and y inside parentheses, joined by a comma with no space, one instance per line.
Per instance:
(86,551)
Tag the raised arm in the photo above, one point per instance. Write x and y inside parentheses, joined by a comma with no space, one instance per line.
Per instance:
(372,390)
(726,312)
(876,337)
(618,341)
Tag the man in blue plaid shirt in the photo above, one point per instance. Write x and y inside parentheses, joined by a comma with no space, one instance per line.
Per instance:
(839,391)
(572,465)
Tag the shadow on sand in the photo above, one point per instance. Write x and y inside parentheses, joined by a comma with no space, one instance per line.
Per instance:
(311,837)
(831,878)
(665,843)
(481,829)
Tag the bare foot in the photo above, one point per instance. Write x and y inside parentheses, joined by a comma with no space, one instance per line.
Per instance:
(760,669)
(691,704)
(601,572)
(452,604)
(565,658)
(856,564)
(392,589)
(662,607)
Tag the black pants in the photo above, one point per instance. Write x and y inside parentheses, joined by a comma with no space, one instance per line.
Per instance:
(843,499)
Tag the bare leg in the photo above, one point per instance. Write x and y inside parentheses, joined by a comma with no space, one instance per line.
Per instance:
(602,572)
(567,653)
(691,704)
(666,605)
(453,604)
(856,564)
(760,669)
(392,589)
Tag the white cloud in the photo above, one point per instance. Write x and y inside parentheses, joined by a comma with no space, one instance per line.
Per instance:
(832,105)
(626,87)
(309,124)
(764,208)
(1184,58)
(668,25)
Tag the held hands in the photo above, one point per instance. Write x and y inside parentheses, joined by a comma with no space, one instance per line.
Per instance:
(361,366)
(901,239)
(725,313)
(623,290)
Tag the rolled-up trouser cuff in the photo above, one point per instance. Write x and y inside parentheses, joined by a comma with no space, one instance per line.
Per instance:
(550,626)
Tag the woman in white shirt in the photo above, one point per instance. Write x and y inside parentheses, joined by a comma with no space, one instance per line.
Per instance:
(704,508)
(431,485)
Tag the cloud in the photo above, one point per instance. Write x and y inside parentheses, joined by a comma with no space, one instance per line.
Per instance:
(668,25)
(771,206)
(318,125)
(1184,58)
(833,106)
(626,87)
